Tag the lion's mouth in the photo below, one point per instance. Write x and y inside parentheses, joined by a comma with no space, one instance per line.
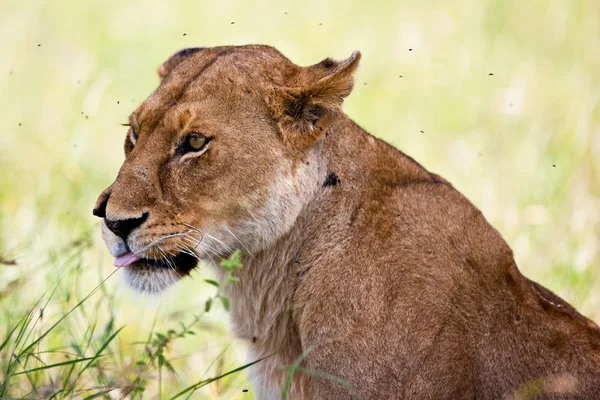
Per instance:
(182,263)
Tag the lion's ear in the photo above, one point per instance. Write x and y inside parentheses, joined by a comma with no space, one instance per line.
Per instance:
(306,111)
(175,59)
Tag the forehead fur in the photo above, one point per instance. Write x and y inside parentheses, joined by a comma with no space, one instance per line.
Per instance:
(218,72)
(246,78)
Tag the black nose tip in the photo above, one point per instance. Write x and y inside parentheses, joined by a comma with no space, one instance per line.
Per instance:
(100,209)
(123,227)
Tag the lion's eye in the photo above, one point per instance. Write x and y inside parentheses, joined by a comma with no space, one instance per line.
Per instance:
(134,135)
(196,142)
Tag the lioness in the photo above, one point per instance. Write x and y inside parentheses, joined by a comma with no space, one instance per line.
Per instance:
(357,260)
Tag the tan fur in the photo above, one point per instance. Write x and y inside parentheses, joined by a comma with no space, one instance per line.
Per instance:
(355,256)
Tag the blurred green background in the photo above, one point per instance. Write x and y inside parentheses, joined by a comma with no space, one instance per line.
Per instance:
(501,97)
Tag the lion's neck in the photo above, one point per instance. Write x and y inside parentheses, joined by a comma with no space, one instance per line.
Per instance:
(264,307)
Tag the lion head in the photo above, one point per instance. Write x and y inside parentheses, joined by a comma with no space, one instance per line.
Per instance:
(224,154)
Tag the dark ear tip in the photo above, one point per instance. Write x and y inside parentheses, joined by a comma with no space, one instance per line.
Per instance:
(189,51)
(354,58)
(175,59)
(351,63)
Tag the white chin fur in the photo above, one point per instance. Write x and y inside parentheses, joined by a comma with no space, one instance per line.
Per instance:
(150,280)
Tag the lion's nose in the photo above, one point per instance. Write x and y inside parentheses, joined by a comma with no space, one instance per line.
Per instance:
(120,227)
(123,227)
(100,207)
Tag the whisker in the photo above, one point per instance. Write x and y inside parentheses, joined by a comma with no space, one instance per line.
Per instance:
(207,248)
(229,249)
(156,242)
(168,260)
(198,243)
(195,229)
(235,237)
(192,239)
(197,240)
(184,249)
(253,217)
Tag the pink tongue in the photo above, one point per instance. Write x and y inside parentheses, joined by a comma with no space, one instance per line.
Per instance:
(126,259)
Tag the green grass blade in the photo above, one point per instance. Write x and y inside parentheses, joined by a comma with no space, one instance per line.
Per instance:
(60,364)
(8,336)
(291,370)
(68,313)
(337,379)
(200,384)
(37,303)
(102,393)
(99,352)
(55,394)
(13,361)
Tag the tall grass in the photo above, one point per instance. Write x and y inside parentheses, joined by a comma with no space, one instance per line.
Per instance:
(91,364)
